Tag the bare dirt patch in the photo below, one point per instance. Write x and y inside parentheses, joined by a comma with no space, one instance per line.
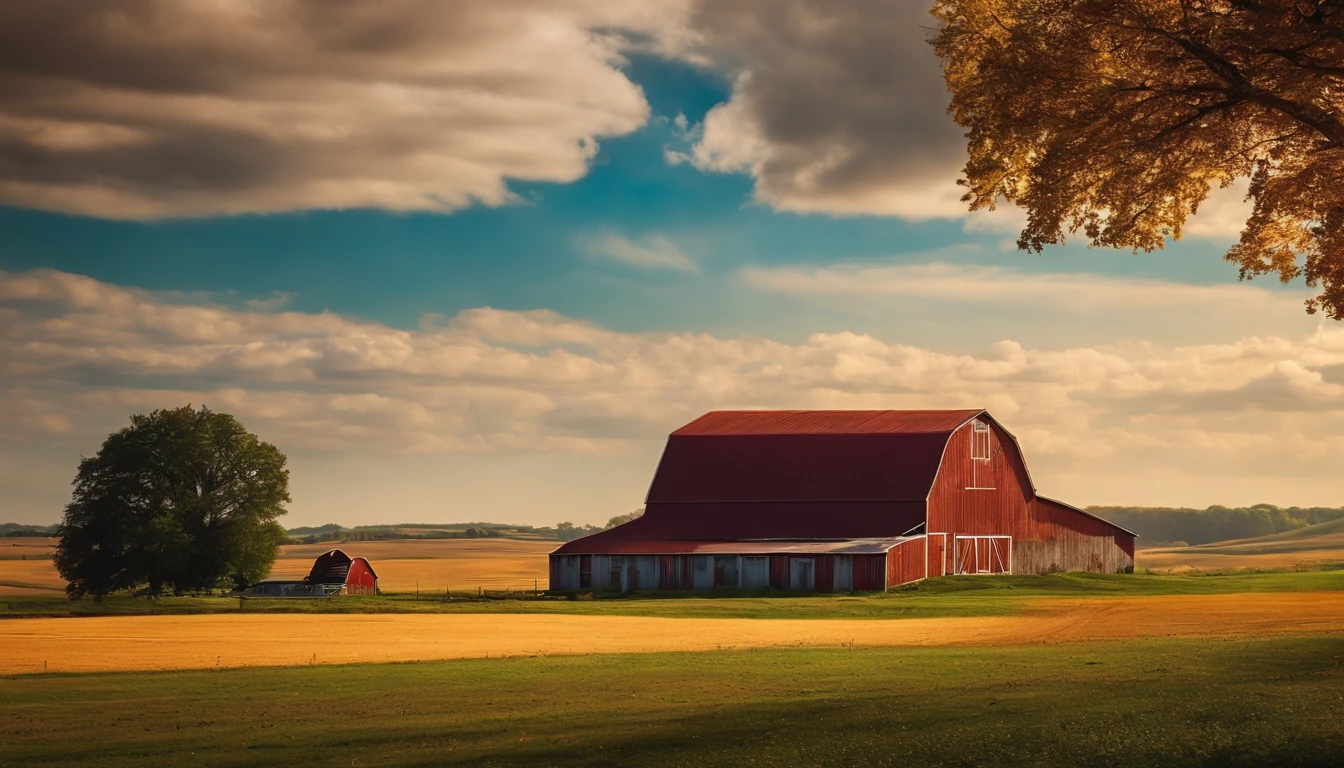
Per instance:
(205,641)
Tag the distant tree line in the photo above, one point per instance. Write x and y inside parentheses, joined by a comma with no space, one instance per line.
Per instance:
(560,532)
(21,531)
(1169,525)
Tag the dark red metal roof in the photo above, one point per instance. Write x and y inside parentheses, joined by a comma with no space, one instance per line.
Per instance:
(805,456)
(827,422)
(676,524)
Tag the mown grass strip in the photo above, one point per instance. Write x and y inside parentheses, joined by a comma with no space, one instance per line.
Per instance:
(932,598)
(1152,702)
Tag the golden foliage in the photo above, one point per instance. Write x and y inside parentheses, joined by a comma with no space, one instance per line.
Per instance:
(1116,117)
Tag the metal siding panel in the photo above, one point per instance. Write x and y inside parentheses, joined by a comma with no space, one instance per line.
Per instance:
(704,572)
(844,573)
(601,571)
(755,572)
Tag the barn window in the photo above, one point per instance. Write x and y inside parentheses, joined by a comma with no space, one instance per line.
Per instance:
(980,441)
(617,564)
(982,465)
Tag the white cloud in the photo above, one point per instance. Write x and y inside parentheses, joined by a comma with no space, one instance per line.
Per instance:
(652,252)
(184,108)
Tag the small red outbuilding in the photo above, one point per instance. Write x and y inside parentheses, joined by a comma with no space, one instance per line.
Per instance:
(333,573)
(840,500)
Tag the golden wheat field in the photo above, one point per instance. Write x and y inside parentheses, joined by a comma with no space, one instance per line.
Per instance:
(401,564)
(236,640)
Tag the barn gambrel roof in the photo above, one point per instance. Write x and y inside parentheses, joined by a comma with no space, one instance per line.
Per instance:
(790,475)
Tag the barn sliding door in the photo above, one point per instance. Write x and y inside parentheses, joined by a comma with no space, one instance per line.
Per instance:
(982,554)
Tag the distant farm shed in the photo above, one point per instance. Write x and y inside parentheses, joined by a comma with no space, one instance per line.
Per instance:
(840,500)
(333,573)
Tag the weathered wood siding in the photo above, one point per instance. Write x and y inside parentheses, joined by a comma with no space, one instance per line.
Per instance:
(564,572)
(1046,535)
(1070,541)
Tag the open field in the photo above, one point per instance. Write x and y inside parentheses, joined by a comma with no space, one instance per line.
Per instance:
(241,639)
(1149,702)
(402,564)
(463,564)
(432,565)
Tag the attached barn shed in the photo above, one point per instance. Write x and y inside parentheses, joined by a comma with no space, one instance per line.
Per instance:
(333,573)
(840,500)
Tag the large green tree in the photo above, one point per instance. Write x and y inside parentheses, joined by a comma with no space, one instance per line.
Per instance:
(1116,118)
(182,500)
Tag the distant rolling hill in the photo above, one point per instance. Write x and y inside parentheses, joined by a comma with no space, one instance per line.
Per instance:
(1320,543)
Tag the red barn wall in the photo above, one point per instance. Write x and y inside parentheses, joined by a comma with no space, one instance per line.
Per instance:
(905,562)
(359,580)
(1047,536)
(870,573)
(954,509)
(824,573)
(779,571)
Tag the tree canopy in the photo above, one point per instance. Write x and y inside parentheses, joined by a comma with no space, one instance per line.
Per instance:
(1116,118)
(182,500)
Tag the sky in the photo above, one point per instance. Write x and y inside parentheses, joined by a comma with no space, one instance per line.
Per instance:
(472,261)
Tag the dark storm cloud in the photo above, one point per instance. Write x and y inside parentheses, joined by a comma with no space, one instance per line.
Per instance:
(838,106)
(146,109)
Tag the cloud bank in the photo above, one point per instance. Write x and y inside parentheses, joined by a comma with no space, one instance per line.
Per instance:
(80,355)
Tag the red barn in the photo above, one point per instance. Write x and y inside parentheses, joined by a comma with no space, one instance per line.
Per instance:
(333,573)
(840,500)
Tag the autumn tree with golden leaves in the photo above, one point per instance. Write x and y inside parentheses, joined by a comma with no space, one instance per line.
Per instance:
(1115,118)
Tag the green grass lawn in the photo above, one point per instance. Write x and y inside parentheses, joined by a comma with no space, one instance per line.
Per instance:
(1151,702)
(959,596)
